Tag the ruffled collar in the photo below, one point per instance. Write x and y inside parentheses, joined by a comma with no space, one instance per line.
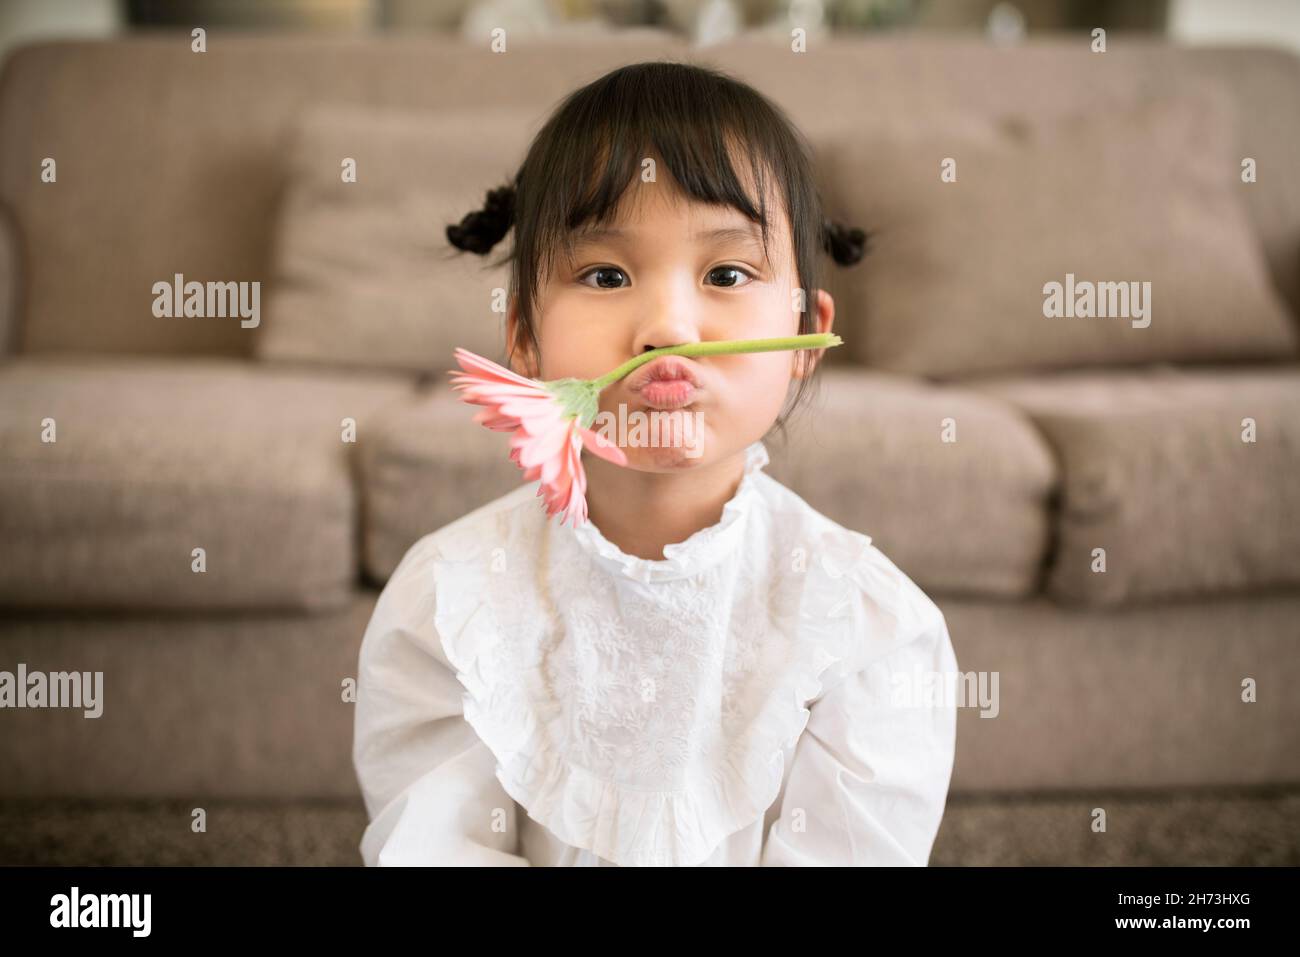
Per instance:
(702,550)
(555,668)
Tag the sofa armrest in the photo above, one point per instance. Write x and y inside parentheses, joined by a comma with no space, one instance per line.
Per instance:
(10,270)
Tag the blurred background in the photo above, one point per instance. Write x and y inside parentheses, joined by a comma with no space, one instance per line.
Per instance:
(204,508)
(705,21)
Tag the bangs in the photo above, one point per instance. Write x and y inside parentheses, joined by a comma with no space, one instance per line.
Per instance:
(719,142)
(698,161)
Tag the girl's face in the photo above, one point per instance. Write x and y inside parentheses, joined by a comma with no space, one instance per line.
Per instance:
(672,270)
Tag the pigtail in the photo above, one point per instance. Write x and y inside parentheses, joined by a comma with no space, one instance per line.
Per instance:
(846,245)
(482,229)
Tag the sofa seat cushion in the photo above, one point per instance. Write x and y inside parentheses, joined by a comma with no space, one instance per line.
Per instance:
(426,465)
(1185,477)
(952,486)
(154,458)
(1147,696)
(869,451)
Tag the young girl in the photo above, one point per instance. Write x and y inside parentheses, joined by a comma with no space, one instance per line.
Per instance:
(707,671)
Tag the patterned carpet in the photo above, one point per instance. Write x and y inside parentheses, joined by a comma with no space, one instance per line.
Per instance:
(1145,829)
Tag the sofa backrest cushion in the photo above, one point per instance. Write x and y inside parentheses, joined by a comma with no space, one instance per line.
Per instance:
(1116,235)
(172,161)
(362,272)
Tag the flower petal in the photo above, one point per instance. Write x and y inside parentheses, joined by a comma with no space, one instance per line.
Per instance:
(601,446)
(472,362)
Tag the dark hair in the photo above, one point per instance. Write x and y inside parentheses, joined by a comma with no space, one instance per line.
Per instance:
(589,151)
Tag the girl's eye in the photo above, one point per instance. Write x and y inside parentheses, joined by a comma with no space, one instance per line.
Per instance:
(732,281)
(606,271)
(610,277)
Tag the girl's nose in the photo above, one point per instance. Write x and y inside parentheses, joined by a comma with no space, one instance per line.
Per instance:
(665,329)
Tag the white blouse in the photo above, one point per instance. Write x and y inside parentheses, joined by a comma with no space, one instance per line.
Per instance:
(529,694)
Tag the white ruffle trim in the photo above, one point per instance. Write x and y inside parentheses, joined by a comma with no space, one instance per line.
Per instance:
(705,547)
(853,601)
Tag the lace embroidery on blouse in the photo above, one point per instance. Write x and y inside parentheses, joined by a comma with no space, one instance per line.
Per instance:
(640,709)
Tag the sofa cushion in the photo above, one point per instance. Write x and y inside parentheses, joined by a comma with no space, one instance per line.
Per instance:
(145,189)
(1002,268)
(1156,470)
(868,451)
(241,706)
(951,485)
(1142,697)
(426,465)
(107,231)
(154,458)
(363,272)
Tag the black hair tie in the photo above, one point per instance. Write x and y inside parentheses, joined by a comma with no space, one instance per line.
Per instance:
(846,245)
(482,229)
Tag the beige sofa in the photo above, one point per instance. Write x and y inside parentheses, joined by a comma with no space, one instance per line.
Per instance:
(176,434)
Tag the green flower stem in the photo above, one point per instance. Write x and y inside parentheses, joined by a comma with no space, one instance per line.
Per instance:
(816,340)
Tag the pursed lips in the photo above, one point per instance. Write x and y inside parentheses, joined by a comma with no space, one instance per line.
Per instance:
(666,383)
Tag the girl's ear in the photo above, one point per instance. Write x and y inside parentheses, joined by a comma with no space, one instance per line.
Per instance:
(806,360)
(523,360)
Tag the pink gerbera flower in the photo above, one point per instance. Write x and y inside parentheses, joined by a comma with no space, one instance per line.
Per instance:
(551,421)
(548,435)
